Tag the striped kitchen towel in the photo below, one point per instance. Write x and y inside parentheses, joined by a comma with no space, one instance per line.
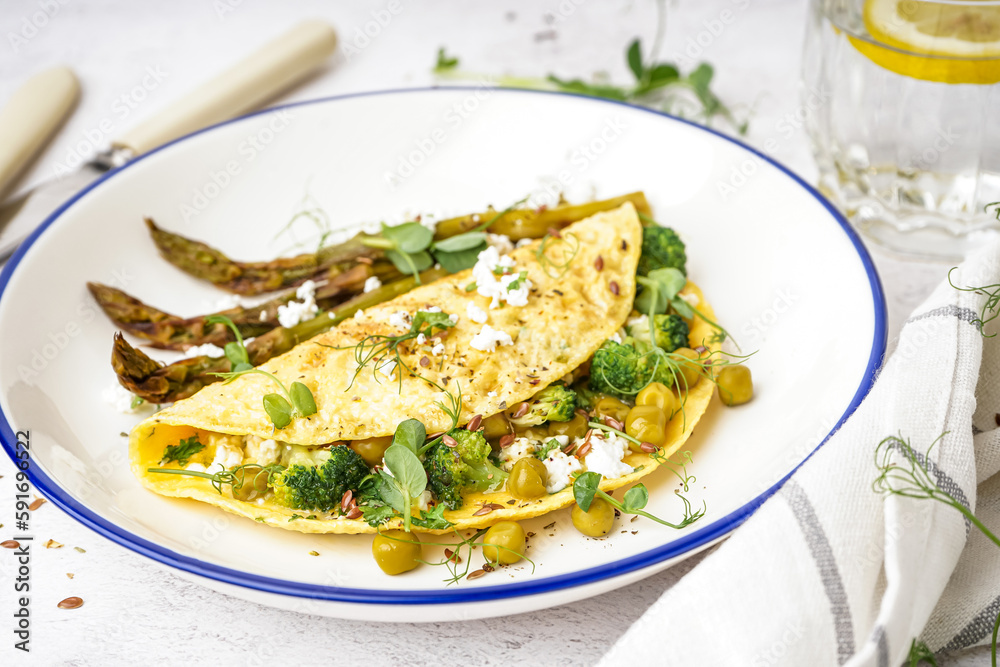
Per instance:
(830,572)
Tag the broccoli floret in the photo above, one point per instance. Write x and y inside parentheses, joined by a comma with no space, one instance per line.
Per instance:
(555,403)
(464,467)
(661,249)
(618,369)
(320,487)
(671,331)
(623,369)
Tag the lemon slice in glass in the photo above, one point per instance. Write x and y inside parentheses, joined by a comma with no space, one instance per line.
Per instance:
(947,42)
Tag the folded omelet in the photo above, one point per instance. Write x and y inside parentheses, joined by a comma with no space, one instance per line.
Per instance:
(578,299)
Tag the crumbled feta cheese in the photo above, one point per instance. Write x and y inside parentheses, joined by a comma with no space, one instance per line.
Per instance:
(120,397)
(491,394)
(197,467)
(476,314)
(263,315)
(692,299)
(453,318)
(206,350)
(387,368)
(488,339)
(432,309)
(359,315)
(421,339)
(520,448)
(294,312)
(516,296)
(559,469)
(484,273)
(373,283)
(501,242)
(605,456)
(438,349)
(400,319)
(523,242)
(616,337)
(259,450)
(423,500)
(226,457)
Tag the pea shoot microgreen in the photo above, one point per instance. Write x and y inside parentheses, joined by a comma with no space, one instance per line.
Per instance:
(920,652)
(661,291)
(412,249)
(297,401)
(402,488)
(567,245)
(182,452)
(235,350)
(444,61)
(911,477)
(989,311)
(309,209)
(587,486)
(658,85)
(258,476)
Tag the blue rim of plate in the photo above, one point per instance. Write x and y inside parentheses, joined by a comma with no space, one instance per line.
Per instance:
(688,542)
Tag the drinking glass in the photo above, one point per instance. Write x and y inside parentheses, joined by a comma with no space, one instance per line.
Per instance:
(902,106)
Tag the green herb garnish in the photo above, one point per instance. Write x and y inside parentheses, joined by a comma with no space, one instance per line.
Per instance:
(298,400)
(912,478)
(182,452)
(236,351)
(657,85)
(587,486)
(570,247)
(989,311)
(444,61)
(661,291)
(380,349)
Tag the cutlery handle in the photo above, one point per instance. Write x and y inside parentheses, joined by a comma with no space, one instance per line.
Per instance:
(274,68)
(32,116)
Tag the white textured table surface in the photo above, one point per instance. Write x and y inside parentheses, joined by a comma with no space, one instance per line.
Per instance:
(136,612)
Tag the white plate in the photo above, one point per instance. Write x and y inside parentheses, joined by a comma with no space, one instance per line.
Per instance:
(783,270)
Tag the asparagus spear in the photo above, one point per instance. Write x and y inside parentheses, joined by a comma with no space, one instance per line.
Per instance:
(170,332)
(248,278)
(533,223)
(157,383)
(203,261)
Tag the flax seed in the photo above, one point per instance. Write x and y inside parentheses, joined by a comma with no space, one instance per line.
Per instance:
(71,603)
(599,263)
(613,286)
(474,423)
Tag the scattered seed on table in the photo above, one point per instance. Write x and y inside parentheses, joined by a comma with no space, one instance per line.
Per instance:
(71,603)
